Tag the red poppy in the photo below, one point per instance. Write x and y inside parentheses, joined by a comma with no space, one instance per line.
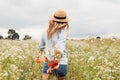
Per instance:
(52,63)
(55,63)
(46,59)
(38,60)
(49,64)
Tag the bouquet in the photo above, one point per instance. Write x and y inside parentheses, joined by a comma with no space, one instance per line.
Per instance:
(54,63)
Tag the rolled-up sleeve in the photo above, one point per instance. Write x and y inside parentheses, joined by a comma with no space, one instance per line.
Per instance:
(42,42)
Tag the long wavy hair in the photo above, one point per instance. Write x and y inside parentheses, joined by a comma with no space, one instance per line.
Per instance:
(56,26)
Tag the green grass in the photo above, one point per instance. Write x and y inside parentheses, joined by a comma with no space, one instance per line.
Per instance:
(88,60)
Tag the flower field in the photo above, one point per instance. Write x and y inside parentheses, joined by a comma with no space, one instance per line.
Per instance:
(90,59)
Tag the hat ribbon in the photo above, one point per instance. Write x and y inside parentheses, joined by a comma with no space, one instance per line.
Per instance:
(60,17)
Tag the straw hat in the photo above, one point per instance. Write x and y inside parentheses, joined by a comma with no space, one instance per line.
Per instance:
(59,16)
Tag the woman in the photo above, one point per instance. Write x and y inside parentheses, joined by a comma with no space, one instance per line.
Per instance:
(55,37)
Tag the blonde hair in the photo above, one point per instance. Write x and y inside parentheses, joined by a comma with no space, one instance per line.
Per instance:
(56,26)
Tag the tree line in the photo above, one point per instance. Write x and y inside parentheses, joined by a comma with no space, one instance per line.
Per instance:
(13,35)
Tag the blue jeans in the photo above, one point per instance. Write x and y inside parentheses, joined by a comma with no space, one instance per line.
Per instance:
(61,71)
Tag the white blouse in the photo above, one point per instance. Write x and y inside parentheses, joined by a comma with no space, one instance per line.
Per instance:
(59,42)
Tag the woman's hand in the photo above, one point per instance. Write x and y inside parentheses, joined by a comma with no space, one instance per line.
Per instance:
(40,53)
(38,57)
(50,68)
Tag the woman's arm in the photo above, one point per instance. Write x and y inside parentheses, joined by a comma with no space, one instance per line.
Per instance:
(42,42)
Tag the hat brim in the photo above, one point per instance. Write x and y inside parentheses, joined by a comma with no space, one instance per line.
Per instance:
(59,20)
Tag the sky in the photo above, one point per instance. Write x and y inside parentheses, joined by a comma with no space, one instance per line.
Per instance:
(87,17)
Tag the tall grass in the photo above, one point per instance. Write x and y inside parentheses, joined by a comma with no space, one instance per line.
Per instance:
(90,59)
